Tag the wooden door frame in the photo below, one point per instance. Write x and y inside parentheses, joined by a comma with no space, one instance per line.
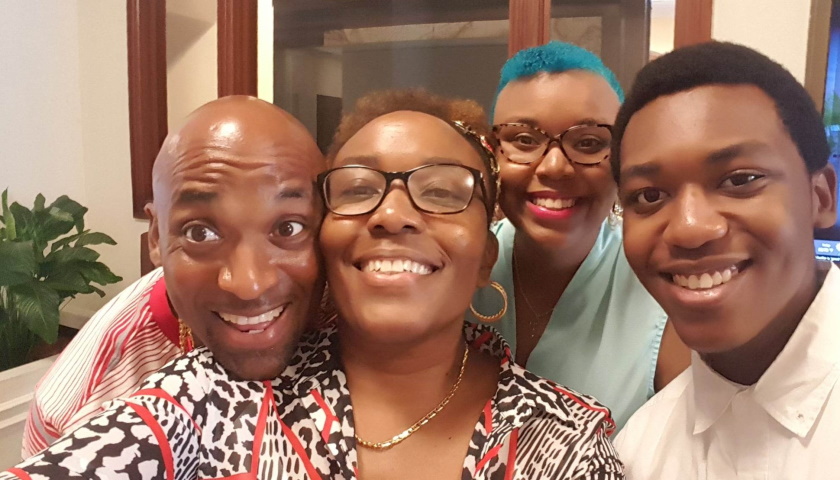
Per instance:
(692,22)
(147,108)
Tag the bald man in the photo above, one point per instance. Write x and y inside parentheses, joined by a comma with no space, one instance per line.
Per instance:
(232,231)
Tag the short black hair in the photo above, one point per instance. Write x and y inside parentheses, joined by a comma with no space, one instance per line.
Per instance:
(721,63)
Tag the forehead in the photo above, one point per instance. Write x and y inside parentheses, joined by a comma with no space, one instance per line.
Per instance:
(557,98)
(404,139)
(702,120)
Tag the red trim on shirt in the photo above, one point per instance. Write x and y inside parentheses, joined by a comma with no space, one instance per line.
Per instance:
(511,460)
(490,456)
(162,313)
(20,473)
(481,340)
(488,417)
(267,403)
(301,452)
(606,412)
(325,433)
(162,441)
(162,394)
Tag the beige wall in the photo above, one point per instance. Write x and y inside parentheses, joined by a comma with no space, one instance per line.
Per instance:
(777,28)
(191,76)
(64,128)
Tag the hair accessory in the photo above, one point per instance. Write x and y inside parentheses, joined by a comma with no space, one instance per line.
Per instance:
(185,338)
(485,145)
(426,418)
(500,313)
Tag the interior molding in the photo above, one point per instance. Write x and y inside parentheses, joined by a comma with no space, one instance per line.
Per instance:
(692,22)
(528,24)
(237,49)
(816,61)
(146,94)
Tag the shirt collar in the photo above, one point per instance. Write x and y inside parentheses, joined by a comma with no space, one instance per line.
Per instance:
(162,313)
(797,384)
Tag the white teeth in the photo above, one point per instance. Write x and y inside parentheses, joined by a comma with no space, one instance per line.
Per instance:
(396,266)
(254,332)
(554,203)
(256,320)
(705,280)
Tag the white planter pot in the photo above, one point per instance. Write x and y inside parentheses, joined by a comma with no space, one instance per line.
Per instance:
(17,387)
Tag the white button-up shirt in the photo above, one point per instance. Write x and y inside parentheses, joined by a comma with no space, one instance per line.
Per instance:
(785,426)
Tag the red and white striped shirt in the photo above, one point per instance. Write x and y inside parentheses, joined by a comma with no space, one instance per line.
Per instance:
(127,340)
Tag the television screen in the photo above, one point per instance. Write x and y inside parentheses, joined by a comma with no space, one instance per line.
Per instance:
(827,241)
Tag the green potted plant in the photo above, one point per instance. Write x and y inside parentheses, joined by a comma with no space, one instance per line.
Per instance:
(43,263)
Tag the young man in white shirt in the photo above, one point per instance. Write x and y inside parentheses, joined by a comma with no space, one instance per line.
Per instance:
(721,159)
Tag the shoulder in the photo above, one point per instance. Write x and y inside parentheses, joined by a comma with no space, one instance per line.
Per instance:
(576,414)
(651,422)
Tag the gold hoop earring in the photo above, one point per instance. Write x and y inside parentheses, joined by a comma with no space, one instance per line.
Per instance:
(185,338)
(501,313)
(616,216)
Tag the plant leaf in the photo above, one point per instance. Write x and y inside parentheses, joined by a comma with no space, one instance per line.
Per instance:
(17,263)
(94,238)
(74,208)
(8,218)
(36,305)
(39,202)
(97,272)
(71,254)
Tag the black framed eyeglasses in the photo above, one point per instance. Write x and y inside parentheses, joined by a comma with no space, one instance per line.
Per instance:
(586,144)
(435,188)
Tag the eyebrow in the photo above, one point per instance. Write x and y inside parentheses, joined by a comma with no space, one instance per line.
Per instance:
(373,161)
(191,197)
(723,155)
(583,121)
(294,193)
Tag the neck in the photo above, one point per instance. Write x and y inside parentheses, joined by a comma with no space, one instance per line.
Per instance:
(746,364)
(401,369)
(549,261)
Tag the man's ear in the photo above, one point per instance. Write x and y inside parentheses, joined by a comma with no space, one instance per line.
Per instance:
(491,252)
(824,187)
(154,235)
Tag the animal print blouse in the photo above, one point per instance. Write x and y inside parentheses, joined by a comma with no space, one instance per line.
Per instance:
(190,420)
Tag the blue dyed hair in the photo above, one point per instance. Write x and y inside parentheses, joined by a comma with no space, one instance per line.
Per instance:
(554,57)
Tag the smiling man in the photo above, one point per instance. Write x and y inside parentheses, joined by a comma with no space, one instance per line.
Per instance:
(721,159)
(234,219)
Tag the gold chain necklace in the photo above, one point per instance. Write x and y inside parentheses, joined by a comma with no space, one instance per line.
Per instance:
(532,327)
(426,418)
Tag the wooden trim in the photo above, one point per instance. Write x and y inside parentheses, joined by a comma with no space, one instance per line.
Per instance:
(237,59)
(816,61)
(692,22)
(146,94)
(528,24)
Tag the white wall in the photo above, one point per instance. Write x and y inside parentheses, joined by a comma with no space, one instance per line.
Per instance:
(777,28)
(265,50)
(64,128)
(40,125)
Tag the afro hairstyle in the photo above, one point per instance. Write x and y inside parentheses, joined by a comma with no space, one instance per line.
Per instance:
(722,63)
(554,57)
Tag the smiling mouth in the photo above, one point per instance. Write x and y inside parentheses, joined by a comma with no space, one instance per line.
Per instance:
(706,280)
(553,203)
(395,266)
(255,324)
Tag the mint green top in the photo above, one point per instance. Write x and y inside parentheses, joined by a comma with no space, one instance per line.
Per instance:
(604,333)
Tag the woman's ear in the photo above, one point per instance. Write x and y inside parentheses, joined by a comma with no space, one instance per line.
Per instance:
(491,253)
(824,187)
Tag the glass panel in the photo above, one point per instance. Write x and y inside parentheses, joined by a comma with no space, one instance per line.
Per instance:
(661,27)
(616,30)
(328,54)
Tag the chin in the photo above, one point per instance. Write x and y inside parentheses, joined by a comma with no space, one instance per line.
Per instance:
(256,366)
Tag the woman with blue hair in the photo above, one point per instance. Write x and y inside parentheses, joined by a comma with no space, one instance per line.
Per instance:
(577,313)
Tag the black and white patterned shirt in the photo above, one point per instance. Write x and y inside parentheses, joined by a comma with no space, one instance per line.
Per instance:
(190,420)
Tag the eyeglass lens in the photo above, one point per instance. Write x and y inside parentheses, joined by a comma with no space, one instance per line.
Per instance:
(433,189)
(584,144)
